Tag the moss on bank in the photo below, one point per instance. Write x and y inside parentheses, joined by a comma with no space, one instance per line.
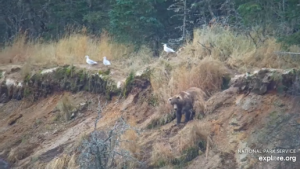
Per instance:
(68,78)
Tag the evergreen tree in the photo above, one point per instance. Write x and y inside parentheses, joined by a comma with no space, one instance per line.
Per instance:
(133,20)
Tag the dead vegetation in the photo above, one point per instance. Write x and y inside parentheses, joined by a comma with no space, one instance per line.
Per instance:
(71,50)
(65,108)
(102,149)
(65,161)
(240,51)
(19,153)
(206,62)
(179,149)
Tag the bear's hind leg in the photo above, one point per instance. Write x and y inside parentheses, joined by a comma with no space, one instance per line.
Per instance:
(188,114)
(192,114)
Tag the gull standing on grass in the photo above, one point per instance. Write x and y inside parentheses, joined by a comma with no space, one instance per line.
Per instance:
(105,61)
(167,49)
(89,61)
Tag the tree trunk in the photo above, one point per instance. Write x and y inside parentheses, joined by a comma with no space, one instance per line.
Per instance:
(155,46)
(184,20)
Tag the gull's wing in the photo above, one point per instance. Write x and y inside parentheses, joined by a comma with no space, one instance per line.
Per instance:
(91,61)
(106,62)
(171,50)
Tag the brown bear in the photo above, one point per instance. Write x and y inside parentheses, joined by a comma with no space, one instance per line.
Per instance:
(188,102)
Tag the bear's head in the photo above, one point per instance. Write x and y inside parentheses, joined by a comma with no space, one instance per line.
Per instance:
(175,101)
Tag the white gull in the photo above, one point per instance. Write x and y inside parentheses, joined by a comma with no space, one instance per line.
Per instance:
(167,49)
(89,61)
(105,61)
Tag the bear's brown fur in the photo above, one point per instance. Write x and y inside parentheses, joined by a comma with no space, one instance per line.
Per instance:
(188,102)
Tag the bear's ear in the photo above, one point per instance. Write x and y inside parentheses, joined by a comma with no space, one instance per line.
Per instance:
(178,97)
(170,99)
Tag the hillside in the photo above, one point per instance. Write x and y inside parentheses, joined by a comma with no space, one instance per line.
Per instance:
(59,113)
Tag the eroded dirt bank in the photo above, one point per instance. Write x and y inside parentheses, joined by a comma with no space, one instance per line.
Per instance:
(257,111)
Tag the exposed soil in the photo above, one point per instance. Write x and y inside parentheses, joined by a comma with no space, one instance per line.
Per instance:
(32,134)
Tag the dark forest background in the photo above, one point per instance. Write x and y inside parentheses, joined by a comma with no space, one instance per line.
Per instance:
(147,22)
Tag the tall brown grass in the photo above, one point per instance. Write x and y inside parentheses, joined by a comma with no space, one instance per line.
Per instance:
(65,108)
(112,50)
(17,51)
(171,78)
(166,150)
(60,162)
(207,74)
(162,153)
(131,142)
(70,49)
(240,51)
(186,138)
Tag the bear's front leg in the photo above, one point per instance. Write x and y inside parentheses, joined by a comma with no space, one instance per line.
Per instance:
(178,116)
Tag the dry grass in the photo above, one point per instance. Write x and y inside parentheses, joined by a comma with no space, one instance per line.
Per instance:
(186,138)
(83,136)
(239,51)
(161,154)
(20,152)
(112,51)
(59,163)
(131,142)
(65,108)
(235,50)
(265,56)
(68,50)
(18,51)
(207,74)
(169,79)
(71,49)
(159,82)
(72,162)
(169,150)
(204,61)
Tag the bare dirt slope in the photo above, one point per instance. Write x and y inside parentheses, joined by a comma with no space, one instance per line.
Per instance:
(244,116)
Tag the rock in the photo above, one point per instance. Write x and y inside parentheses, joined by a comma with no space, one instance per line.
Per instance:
(277,133)
(10,82)
(243,157)
(48,70)
(264,80)
(234,122)
(15,69)
(250,103)
(219,99)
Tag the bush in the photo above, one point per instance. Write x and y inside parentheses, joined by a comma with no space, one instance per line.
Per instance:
(101,149)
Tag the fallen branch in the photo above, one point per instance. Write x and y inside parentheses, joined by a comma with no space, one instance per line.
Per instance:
(208,143)
(290,53)
(100,109)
